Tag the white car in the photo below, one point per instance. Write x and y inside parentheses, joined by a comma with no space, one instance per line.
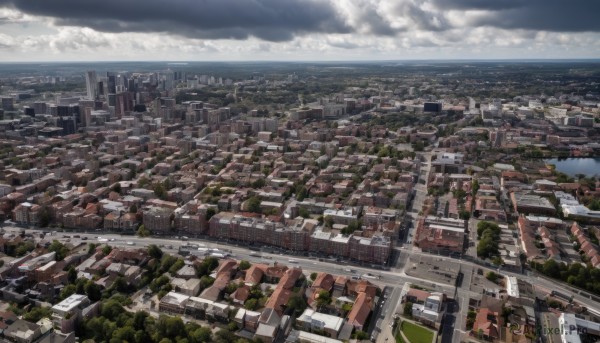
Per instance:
(130,243)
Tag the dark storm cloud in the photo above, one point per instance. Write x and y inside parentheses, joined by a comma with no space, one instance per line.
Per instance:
(549,15)
(423,20)
(375,23)
(273,20)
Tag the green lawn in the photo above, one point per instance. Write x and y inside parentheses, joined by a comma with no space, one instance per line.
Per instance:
(399,338)
(416,333)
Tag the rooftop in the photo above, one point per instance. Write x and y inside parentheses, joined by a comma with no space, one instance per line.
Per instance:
(175,298)
(70,303)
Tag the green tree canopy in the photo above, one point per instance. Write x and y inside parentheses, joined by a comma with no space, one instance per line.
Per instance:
(37,313)
(154,251)
(244,265)
(60,249)
(253,204)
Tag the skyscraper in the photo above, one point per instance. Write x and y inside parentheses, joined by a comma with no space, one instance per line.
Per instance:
(112,82)
(91,84)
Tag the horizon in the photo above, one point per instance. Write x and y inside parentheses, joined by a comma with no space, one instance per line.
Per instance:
(183,62)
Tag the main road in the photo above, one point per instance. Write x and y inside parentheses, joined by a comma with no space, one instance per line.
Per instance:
(394,278)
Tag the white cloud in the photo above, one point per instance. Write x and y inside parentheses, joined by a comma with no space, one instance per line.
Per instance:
(386,29)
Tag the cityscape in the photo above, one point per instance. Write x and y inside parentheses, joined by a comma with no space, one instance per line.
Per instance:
(221,190)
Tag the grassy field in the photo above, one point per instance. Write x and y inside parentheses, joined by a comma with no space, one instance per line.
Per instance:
(399,338)
(416,333)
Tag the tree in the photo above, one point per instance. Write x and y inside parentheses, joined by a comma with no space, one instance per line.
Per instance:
(328,221)
(106,249)
(21,249)
(59,249)
(353,226)
(160,191)
(253,204)
(497,260)
(313,276)
(154,251)
(250,304)
(303,212)
(408,309)
(91,248)
(71,274)
(170,327)
(133,208)
(464,214)
(142,182)
(158,283)
(67,291)
(142,231)
(112,308)
(244,265)
(361,335)
(201,335)
(475,186)
(324,298)
(166,262)
(124,334)
(93,291)
(206,281)
(301,194)
(297,304)
(176,266)
(551,268)
(259,183)
(493,277)
(418,146)
(471,315)
(488,246)
(483,226)
(117,188)
(231,287)
(224,336)
(459,194)
(45,217)
(37,313)
(210,212)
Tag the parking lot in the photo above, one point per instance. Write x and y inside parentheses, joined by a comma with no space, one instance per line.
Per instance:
(437,269)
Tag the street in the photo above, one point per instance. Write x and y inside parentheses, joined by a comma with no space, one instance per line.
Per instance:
(395,278)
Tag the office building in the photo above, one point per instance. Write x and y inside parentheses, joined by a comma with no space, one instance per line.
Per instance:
(91,84)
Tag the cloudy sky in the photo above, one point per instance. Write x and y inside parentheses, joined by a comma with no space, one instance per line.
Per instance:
(95,30)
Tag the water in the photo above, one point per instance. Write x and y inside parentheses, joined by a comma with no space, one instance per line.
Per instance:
(573,166)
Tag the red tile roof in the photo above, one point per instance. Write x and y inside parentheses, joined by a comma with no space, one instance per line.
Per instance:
(324,281)
(278,300)
(486,322)
(360,310)
(255,273)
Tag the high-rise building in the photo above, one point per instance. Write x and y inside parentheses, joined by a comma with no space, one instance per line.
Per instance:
(432,107)
(123,104)
(167,80)
(40,107)
(8,103)
(91,84)
(111,83)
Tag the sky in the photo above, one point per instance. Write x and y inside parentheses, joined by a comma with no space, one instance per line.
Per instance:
(297,30)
